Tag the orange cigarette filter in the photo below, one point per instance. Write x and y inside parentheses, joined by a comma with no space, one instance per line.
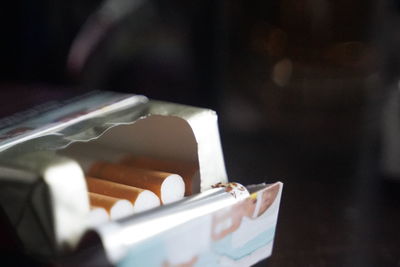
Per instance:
(141,199)
(188,170)
(168,187)
(116,207)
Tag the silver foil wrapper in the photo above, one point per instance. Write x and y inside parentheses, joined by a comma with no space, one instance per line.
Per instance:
(122,235)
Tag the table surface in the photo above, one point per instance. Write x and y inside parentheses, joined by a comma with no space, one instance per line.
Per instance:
(336,209)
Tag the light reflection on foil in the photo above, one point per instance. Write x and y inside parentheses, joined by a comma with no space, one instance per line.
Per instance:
(124,234)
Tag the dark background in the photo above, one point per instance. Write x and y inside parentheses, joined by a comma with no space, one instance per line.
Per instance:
(299,86)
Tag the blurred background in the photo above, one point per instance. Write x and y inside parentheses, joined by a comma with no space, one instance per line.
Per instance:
(307,92)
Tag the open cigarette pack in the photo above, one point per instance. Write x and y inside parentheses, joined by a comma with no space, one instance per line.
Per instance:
(142,181)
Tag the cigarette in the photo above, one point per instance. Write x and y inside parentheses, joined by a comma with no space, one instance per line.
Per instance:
(117,208)
(188,170)
(167,186)
(141,199)
(97,216)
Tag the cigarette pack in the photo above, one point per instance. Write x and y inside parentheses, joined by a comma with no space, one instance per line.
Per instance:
(47,156)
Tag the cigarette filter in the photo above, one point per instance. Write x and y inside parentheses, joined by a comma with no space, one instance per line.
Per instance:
(117,208)
(141,199)
(97,216)
(188,170)
(168,187)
